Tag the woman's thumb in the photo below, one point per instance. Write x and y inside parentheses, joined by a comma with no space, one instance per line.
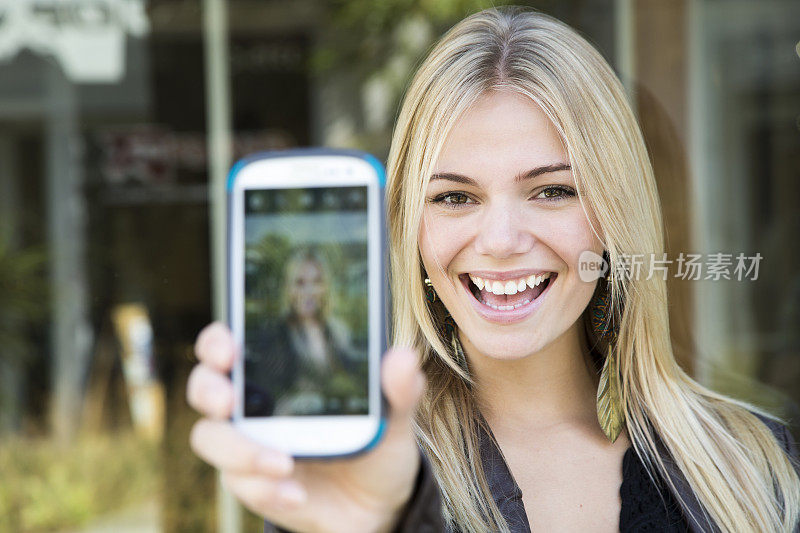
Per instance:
(403,383)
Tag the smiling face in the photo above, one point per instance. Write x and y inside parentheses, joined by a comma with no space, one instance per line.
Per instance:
(503,228)
(307,290)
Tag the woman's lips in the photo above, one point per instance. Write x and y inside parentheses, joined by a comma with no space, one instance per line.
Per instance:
(511,305)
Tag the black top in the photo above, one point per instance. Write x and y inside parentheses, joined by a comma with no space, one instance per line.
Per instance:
(275,369)
(646,506)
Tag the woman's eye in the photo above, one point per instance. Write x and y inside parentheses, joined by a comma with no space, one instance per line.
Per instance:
(452,199)
(556,192)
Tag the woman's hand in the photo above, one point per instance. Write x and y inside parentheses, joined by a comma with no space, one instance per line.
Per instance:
(364,493)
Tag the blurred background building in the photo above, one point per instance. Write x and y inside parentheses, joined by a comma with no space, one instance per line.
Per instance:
(119,119)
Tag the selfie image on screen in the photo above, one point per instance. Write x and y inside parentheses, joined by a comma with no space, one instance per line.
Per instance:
(306,302)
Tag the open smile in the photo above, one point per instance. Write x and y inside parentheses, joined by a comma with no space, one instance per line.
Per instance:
(507,297)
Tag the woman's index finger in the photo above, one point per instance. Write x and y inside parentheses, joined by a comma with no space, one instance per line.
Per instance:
(215,347)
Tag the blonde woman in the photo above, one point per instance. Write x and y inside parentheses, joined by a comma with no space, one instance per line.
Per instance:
(553,403)
(292,360)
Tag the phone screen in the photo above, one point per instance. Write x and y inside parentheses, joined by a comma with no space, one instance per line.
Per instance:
(306,302)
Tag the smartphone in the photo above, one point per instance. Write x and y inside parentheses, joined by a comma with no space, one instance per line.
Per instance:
(306,299)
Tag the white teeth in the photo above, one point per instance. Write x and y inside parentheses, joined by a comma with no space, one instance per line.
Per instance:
(477,281)
(533,281)
(508,287)
(506,307)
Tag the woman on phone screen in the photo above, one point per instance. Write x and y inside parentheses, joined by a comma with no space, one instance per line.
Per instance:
(551,399)
(302,361)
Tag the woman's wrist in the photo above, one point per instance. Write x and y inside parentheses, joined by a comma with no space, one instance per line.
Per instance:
(393,518)
(374,520)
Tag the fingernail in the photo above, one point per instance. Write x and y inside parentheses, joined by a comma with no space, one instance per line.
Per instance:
(275,464)
(291,493)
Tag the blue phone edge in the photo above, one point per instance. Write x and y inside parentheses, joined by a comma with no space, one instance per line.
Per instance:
(381,172)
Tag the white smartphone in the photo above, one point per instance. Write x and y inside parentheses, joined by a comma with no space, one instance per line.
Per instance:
(306,299)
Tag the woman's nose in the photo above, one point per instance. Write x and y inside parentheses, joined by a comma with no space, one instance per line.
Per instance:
(503,232)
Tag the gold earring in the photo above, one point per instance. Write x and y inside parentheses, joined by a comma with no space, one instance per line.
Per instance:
(609,406)
(430,292)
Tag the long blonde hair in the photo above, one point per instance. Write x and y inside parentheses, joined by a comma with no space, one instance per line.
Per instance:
(734,465)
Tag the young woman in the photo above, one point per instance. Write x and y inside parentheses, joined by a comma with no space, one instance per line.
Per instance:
(549,401)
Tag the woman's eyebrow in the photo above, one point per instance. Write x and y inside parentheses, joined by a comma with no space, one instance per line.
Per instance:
(544,169)
(538,171)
